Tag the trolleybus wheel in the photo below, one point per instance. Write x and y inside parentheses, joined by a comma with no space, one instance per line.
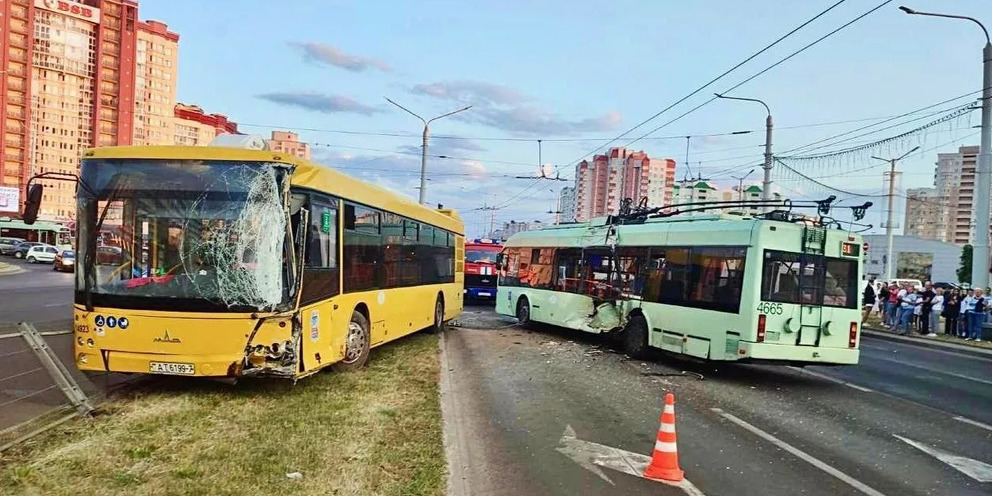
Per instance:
(523,311)
(438,326)
(356,353)
(635,337)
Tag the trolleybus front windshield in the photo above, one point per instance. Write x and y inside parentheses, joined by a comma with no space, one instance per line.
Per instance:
(187,234)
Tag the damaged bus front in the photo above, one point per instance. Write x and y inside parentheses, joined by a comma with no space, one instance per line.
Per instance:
(199,275)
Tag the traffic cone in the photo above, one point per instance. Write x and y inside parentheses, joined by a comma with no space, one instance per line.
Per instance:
(665,458)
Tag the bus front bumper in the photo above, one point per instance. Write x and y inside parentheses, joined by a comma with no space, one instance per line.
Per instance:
(805,354)
(226,365)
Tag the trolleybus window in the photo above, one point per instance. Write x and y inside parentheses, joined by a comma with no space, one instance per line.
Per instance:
(784,280)
(320,276)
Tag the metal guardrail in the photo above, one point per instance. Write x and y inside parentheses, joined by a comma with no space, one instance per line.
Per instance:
(37,391)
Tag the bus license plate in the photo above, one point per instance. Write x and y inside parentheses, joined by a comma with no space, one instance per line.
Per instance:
(171,368)
(482,293)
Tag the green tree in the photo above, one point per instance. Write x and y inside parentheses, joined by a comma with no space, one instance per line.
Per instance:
(964,267)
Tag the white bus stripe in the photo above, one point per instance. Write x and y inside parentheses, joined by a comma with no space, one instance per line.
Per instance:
(800,454)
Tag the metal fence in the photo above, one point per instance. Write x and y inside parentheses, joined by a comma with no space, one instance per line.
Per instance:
(37,389)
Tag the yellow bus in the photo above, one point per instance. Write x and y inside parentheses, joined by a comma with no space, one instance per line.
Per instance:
(232,262)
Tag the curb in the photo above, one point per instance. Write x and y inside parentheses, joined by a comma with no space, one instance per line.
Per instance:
(960,348)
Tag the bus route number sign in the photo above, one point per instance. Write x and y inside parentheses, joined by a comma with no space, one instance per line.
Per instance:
(325,222)
(850,249)
(770,308)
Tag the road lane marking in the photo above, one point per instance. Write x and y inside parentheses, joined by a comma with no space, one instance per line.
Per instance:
(952,374)
(56,305)
(591,456)
(800,454)
(832,379)
(973,422)
(980,471)
(926,349)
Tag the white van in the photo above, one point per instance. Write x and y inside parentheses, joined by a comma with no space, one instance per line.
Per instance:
(901,282)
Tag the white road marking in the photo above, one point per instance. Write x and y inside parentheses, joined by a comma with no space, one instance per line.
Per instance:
(56,304)
(832,379)
(800,454)
(974,422)
(980,471)
(591,456)
(952,374)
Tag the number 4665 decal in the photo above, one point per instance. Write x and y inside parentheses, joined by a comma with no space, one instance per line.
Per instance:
(770,308)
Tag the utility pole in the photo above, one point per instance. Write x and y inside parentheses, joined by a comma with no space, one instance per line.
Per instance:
(740,184)
(889,231)
(423,152)
(492,218)
(766,183)
(983,171)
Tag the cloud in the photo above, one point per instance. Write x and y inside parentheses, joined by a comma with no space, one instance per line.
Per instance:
(441,146)
(508,109)
(322,53)
(317,102)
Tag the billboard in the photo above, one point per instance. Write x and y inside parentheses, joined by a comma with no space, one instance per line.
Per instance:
(10,199)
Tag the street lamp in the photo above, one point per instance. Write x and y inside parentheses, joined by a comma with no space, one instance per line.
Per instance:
(983,173)
(889,231)
(423,153)
(740,184)
(766,184)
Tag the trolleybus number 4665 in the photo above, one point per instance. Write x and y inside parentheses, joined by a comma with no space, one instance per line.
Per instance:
(770,308)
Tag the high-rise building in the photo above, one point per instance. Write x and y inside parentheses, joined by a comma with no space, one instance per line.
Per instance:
(155,75)
(566,204)
(743,193)
(603,183)
(954,182)
(69,85)
(192,127)
(922,213)
(289,142)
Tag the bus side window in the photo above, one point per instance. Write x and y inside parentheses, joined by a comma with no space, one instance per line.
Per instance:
(320,272)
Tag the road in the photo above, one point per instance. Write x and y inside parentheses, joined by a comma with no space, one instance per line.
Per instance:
(38,294)
(510,394)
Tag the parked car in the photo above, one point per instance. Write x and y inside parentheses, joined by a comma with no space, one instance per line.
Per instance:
(8,245)
(22,249)
(65,261)
(42,253)
(946,286)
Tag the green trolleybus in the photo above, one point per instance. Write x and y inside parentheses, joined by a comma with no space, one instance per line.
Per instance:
(772,288)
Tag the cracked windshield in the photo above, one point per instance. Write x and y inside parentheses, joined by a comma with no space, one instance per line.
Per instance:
(439,248)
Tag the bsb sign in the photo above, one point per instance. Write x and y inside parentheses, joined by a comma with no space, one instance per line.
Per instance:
(72,9)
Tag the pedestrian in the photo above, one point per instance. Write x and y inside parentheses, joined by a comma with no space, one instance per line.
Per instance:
(978,316)
(926,299)
(936,308)
(897,296)
(883,302)
(952,305)
(894,291)
(917,311)
(964,322)
(908,303)
(868,300)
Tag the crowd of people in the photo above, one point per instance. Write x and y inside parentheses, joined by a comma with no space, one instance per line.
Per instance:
(907,308)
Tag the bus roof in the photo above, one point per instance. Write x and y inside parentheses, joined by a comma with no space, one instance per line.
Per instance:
(718,229)
(307,174)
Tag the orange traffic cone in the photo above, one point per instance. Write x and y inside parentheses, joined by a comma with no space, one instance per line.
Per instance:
(665,458)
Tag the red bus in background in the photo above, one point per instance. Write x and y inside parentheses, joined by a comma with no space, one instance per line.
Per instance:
(480,268)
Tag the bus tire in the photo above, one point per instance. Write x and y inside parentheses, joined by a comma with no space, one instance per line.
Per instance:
(635,337)
(523,311)
(439,324)
(356,353)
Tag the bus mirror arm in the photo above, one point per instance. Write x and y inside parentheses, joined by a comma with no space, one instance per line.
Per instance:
(33,192)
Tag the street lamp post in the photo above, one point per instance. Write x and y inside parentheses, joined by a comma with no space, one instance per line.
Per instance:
(423,153)
(889,228)
(740,184)
(983,173)
(766,183)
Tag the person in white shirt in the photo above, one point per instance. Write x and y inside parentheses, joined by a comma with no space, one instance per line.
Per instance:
(937,306)
(967,305)
(897,321)
(909,300)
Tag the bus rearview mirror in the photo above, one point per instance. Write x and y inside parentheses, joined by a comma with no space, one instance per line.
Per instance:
(33,203)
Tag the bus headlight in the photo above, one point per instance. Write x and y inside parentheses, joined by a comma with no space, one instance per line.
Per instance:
(89,342)
(80,341)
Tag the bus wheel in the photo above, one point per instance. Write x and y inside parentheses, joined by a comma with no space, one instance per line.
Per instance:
(438,326)
(356,353)
(523,311)
(635,337)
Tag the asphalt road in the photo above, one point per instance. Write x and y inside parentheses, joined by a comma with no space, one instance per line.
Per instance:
(509,395)
(38,295)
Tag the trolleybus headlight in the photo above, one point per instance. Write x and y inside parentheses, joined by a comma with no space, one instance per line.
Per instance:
(89,342)
(80,341)
(82,358)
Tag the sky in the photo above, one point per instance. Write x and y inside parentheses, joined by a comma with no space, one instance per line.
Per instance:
(576,75)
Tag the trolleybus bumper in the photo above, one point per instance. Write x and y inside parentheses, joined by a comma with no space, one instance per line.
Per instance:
(807,354)
(225,365)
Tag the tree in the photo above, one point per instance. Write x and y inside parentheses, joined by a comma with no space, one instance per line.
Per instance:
(964,267)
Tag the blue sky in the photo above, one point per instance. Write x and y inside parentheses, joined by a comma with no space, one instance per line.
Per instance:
(584,71)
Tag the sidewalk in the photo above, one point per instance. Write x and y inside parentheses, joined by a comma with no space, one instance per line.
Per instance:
(967,347)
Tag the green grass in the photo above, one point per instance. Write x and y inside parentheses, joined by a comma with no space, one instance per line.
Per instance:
(376,431)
